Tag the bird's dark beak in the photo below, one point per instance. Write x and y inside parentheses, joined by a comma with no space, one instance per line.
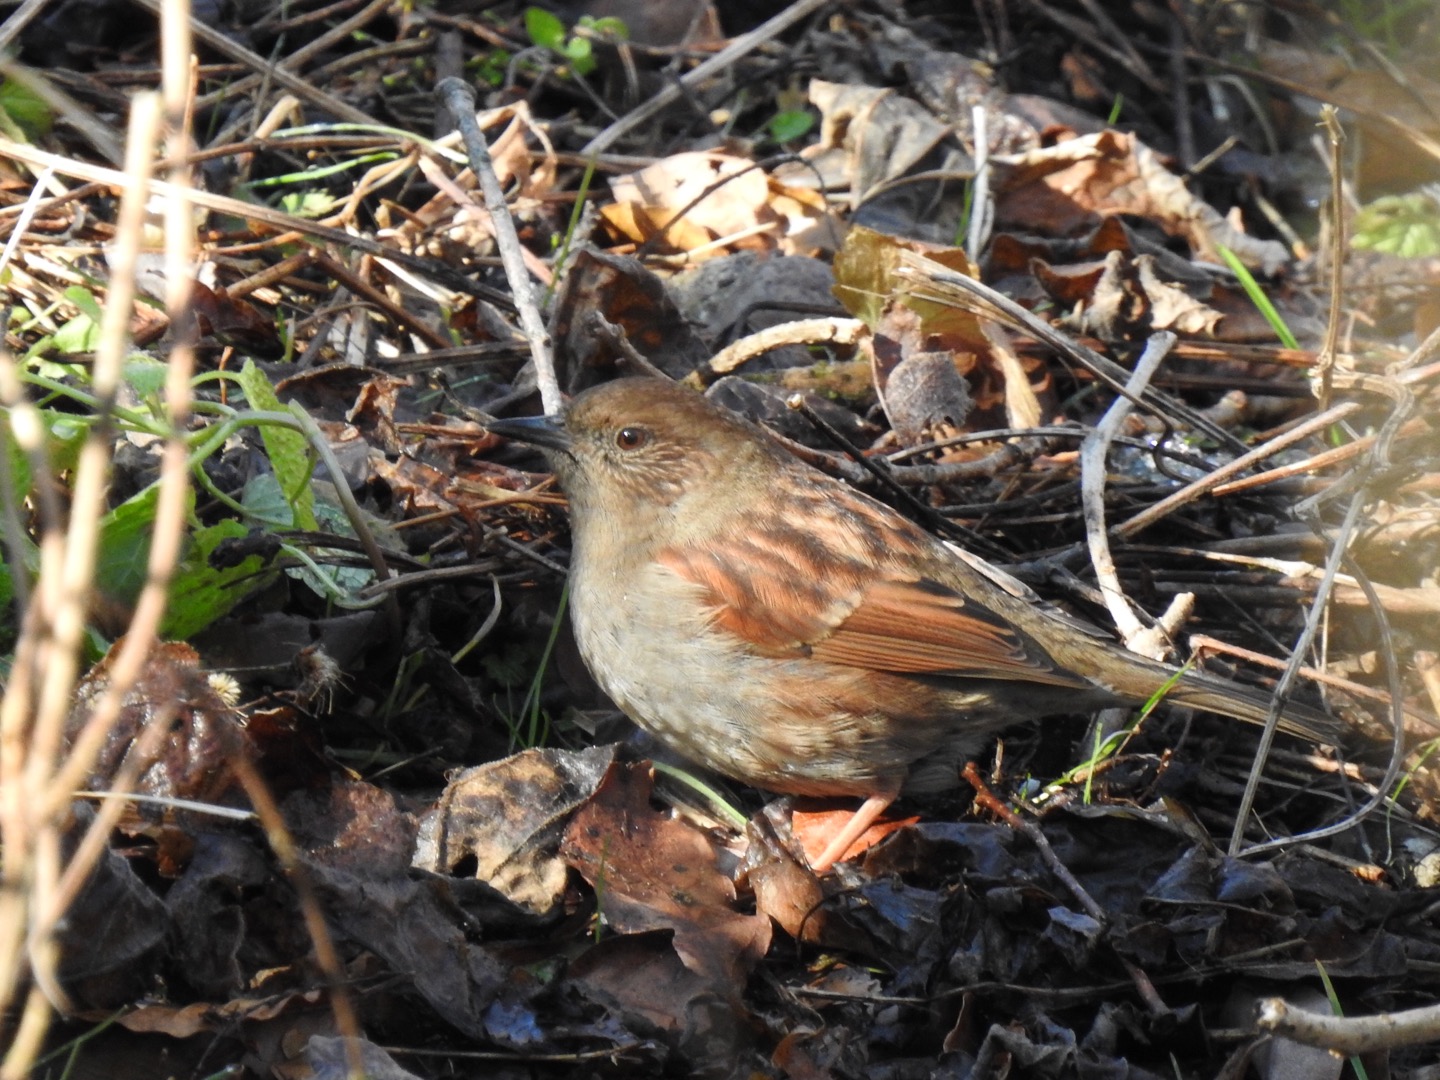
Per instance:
(546,432)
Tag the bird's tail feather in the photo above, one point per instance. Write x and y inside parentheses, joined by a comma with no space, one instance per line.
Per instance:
(1250,704)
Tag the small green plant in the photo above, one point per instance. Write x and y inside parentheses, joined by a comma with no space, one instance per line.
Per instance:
(490,68)
(1107,746)
(205,585)
(24,116)
(1257,297)
(308,204)
(717,802)
(548,32)
(529,724)
(967,210)
(82,333)
(1115,107)
(576,211)
(790,124)
(1405,225)
(1335,1007)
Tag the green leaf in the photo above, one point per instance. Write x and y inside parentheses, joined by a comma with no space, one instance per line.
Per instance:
(308,204)
(490,68)
(27,109)
(607,26)
(63,436)
(79,335)
(580,54)
(125,534)
(544,29)
(266,502)
(85,300)
(288,450)
(1404,225)
(7,615)
(199,593)
(16,463)
(790,124)
(1258,297)
(145,375)
(82,333)
(331,518)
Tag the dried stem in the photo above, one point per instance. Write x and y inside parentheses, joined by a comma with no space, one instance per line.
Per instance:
(460,100)
(1092,489)
(1349,1034)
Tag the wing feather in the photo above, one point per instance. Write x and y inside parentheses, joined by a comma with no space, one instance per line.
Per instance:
(889,623)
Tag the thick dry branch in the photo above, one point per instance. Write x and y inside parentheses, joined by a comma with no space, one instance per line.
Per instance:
(1350,1034)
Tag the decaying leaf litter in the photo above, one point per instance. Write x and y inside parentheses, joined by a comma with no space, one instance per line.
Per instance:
(951,234)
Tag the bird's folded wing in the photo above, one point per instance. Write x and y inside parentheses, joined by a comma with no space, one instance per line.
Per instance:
(924,627)
(918,627)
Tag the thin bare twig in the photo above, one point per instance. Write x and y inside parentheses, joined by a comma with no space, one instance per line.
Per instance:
(1093,452)
(297,58)
(1378,456)
(460,100)
(303,89)
(38,698)
(982,206)
(1325,364)
(288,225)
(1218,476)
(745,43)
(930,280)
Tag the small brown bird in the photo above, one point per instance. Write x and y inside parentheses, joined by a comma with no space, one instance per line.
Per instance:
(785,630)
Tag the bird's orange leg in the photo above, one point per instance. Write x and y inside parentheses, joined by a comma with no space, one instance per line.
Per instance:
(866,816)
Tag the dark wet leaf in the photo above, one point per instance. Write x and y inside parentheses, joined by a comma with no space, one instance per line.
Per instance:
(650,871)
(634,299)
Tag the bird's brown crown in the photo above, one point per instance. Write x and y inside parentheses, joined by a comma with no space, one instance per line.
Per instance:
(653,441)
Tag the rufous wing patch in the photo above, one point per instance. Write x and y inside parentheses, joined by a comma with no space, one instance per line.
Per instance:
(763,600)
(906,627)
(923,627)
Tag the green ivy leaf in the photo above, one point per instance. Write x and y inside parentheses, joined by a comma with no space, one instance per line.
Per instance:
(199,594)
(266,503)
(125,534)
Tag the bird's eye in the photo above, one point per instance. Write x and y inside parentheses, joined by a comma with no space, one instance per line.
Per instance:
(631,438)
